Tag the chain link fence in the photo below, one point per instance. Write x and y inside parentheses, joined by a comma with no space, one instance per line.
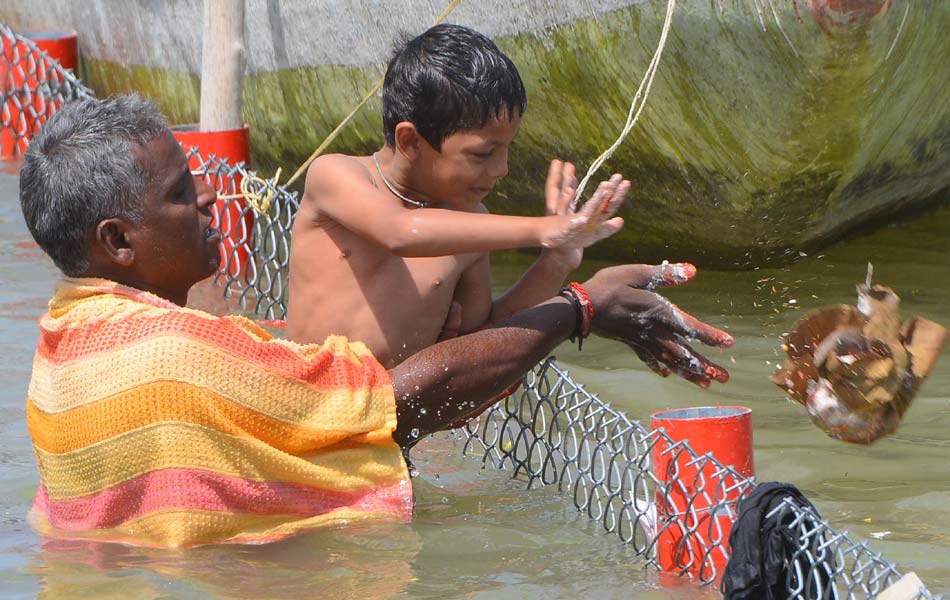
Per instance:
(550,432)
(554,432)
(256,235)
(32,88)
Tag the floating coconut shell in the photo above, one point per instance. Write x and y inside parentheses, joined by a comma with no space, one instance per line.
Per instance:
(856,369)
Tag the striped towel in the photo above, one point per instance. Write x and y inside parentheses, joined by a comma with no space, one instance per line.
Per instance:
(159,425)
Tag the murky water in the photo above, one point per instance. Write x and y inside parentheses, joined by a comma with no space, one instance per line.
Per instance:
(478,535)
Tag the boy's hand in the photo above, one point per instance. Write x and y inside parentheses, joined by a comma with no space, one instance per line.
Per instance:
(595,220)
(558,196)
(559,188)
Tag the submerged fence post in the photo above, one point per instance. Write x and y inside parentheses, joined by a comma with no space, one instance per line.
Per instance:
(22,73)
(695,497)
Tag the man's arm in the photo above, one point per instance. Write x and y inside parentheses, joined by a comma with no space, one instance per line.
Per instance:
(456,377)
(342,191)
(459,376)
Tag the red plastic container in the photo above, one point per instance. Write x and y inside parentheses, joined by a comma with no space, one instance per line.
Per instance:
(22,70)
(726,432)
(230,216)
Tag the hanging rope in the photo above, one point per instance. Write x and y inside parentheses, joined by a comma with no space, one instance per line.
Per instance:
(636,107)
(258,191)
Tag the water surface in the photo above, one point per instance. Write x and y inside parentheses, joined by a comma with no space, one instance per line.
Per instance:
(476,534)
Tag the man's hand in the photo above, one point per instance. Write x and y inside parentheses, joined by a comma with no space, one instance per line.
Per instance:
(441,378)
(626,309)
(595,220)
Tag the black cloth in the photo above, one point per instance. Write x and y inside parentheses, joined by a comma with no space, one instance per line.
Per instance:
(764,548)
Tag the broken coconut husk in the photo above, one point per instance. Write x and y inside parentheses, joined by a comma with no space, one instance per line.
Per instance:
(856,369)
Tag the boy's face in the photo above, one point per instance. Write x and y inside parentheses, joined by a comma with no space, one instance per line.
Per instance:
(469,165)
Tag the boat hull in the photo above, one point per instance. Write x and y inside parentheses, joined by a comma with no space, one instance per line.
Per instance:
(772,128)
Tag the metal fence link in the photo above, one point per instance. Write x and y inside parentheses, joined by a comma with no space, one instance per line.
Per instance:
(550,432)
(32,88)
(256,258)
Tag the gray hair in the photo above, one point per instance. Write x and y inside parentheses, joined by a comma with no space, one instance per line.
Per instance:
(80,169)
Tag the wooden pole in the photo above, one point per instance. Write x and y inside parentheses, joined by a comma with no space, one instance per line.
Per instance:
(222,65)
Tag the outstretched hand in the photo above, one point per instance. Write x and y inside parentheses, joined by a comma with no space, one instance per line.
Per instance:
(659,332)
(559,192)
(594,221)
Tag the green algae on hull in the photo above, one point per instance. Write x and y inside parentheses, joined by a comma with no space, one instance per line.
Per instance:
(759,138)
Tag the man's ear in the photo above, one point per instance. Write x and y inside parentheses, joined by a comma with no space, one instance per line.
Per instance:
(408,140)
(112,240)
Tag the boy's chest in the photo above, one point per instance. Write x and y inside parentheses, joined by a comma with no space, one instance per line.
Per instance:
(437,276)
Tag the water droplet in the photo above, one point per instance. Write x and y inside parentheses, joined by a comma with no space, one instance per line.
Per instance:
(414,433)
(422,411)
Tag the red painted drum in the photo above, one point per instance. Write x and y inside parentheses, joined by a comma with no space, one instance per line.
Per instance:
(232,217)
(22,72)
(695,538)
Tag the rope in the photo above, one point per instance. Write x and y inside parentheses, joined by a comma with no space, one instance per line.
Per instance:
(632,116)
(260,200)
(262,183)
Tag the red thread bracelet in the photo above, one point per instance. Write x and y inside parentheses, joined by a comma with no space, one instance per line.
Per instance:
(583,311)
(586,304)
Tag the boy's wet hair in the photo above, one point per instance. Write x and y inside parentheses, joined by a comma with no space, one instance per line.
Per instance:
(449,79)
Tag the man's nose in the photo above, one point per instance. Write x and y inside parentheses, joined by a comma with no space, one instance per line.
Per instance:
(206,195)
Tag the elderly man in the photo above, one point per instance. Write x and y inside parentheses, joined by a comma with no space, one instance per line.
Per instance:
(160,425)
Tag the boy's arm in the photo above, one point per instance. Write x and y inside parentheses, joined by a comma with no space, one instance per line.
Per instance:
(342,190)
(542,280)
(473,292)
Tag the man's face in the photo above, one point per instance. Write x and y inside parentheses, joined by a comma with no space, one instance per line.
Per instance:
(174,244)
(470,163)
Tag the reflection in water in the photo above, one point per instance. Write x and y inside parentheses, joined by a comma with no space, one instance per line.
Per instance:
(476,533)
(358,562)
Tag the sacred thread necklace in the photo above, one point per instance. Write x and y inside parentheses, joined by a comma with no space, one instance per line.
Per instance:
(392,188)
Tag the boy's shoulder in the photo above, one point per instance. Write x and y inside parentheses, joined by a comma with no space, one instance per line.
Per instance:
(334,178)
(328,168)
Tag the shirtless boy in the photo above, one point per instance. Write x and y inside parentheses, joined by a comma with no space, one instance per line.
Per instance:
(384,246)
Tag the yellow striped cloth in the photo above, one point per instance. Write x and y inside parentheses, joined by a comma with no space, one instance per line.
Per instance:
(160,425)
